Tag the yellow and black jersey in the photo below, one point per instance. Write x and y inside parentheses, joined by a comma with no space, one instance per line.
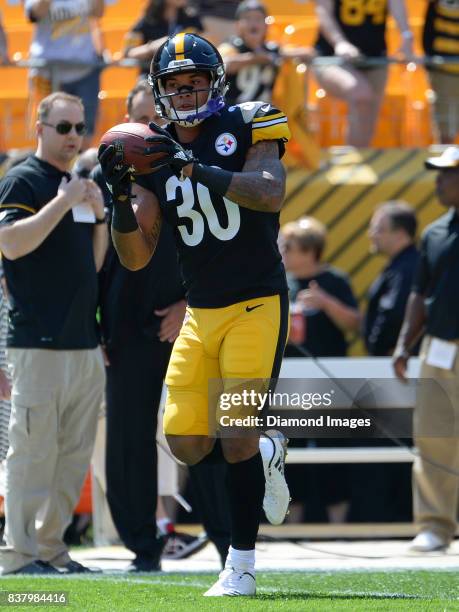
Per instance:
(255,82)
(363,23)
(227,253)
(441,30)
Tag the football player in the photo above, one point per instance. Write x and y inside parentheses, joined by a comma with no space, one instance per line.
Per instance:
(217,178)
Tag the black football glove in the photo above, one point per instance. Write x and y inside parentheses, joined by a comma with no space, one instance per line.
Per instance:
(117,175)
(162,142)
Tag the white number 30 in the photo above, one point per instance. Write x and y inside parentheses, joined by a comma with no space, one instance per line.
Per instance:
(186,211)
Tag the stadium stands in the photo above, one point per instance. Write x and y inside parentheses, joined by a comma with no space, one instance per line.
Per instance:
(404,120)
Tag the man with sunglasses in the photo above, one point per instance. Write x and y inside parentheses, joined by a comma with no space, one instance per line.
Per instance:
(53,238)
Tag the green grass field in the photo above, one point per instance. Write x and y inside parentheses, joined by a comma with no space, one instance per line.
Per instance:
(311,591)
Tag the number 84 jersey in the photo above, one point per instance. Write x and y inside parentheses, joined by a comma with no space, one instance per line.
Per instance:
(227,253)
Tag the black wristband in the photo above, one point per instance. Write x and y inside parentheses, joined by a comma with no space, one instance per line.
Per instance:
(216,179)
(100,221)
(123,219)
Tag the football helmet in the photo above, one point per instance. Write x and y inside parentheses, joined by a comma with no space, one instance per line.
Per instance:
(187,53)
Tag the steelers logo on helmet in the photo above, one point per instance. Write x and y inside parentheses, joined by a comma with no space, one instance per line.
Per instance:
(226,144)
(188,53)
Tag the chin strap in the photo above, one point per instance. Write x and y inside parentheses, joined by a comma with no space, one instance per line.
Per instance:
(213,107)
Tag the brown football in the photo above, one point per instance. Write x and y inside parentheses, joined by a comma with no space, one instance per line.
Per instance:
(130,139)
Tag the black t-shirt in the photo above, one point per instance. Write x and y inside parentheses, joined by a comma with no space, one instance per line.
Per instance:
(146,30)
(363,24)
(128,299)
(436,277)
(255,82)
(441,31)
(53,289)
(323,338)
(227,253)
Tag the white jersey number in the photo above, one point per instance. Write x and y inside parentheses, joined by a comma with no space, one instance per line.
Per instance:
(192,237)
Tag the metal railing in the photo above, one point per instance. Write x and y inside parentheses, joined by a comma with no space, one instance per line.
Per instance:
(411,124)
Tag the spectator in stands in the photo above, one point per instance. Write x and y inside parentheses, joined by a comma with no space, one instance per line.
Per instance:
(433,307)
(392,233)
(142,313)
(353,31)
(323,297)
(441,38)
(4,57)
(160,19)
(252,62)
(218,18)
(53,238)
(63,33)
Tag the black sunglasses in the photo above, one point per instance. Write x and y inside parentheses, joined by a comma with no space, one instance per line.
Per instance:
(65,127)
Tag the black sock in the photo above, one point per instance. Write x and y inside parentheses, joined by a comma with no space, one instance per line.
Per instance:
(210,499)
(245,481)
(215,457)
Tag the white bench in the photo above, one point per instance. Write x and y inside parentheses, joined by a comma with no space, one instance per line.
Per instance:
(342,368)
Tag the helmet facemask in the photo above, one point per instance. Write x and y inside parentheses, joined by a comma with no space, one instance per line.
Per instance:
(164,102)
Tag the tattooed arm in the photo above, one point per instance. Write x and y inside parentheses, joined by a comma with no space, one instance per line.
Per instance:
(261,184)
(135,249)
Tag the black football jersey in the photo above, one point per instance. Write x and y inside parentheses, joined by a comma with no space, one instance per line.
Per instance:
(363,23)
(227,253)
(254,82)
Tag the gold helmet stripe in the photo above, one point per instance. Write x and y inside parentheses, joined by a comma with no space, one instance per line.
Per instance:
(179,42)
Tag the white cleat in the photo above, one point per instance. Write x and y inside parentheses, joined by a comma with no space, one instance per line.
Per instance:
(277,495)
(233,583)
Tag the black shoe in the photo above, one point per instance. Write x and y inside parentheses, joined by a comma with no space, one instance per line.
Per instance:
(183,545)
(145,563)
(73,567)
(151,561)
(37,567)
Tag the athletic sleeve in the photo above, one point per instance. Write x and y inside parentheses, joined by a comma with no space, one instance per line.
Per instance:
(270,123)
(17,200)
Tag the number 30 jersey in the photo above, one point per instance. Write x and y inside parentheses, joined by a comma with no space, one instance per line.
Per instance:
(227,253)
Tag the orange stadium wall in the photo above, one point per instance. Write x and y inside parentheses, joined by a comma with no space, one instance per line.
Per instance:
(404,119)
